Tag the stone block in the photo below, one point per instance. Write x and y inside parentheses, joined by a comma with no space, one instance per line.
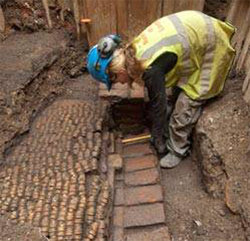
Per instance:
(141,195)
(144,215)
(145,177)
(115,160)
(139,163)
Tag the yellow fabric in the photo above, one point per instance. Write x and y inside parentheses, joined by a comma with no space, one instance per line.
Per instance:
(203,64)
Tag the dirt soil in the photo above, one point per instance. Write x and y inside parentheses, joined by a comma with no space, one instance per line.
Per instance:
(207,196)
(14,232)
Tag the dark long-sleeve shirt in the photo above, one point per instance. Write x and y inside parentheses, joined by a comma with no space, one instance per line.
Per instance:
(154,78)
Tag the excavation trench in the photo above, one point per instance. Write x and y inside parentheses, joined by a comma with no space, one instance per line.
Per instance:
(192,210)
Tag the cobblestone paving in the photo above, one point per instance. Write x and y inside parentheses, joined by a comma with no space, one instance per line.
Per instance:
(50,179)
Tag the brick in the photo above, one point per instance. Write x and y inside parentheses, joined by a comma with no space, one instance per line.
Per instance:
(138,149)
(146,194)
(158,234)
(144,215)
(119,196)
(140,163)
(145,177)
(118,90)
(137,92)
(115,160)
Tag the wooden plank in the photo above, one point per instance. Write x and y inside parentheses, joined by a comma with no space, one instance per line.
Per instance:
(99,11)
(122,18)
(246,88)
(246,40)
(172,6)
(141,14)
(168,7)
(232,11)
(240,36)
(2,21)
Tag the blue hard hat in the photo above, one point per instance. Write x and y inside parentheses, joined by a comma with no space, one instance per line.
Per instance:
(100,56)
(97,66)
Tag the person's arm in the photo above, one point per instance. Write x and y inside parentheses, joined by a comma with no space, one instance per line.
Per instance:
(154,78)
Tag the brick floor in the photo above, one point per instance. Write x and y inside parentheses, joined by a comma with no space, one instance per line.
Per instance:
(139,210)
(136,149)
(159,234)
(145,194)
(145,177)
(143,215)
(139,163)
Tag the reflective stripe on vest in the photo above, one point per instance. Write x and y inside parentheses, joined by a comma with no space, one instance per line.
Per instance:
(182,37)
(163,42)
(207,65)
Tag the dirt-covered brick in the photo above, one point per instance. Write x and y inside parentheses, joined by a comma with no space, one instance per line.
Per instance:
(140,163)
(144,215)
(144,177)
(145,194)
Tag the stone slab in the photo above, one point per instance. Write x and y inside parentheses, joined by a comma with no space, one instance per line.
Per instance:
(159,234)
(139,163)
(144,177)
(144,215)
(141,195)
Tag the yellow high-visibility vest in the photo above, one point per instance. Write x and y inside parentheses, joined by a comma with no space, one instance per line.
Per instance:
(202,44)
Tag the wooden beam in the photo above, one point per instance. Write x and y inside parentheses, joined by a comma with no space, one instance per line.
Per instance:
(2,21)
(245,41)
(246,88)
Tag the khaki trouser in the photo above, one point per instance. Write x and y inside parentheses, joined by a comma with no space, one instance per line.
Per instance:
(183,118)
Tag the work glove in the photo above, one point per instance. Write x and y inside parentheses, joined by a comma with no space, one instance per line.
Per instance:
(159,145)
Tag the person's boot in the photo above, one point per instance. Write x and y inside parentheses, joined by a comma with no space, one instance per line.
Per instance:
(170,160)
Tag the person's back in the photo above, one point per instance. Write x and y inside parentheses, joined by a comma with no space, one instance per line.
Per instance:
(202,44)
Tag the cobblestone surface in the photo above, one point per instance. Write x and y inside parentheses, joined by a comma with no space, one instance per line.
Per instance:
(50,179)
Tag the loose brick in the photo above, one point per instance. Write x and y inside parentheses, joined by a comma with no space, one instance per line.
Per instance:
(147,194)
(137,92)
(118,90)
(119,197)
(143,215)
(135,150)
(145,177)
(158,234)
(140,163)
